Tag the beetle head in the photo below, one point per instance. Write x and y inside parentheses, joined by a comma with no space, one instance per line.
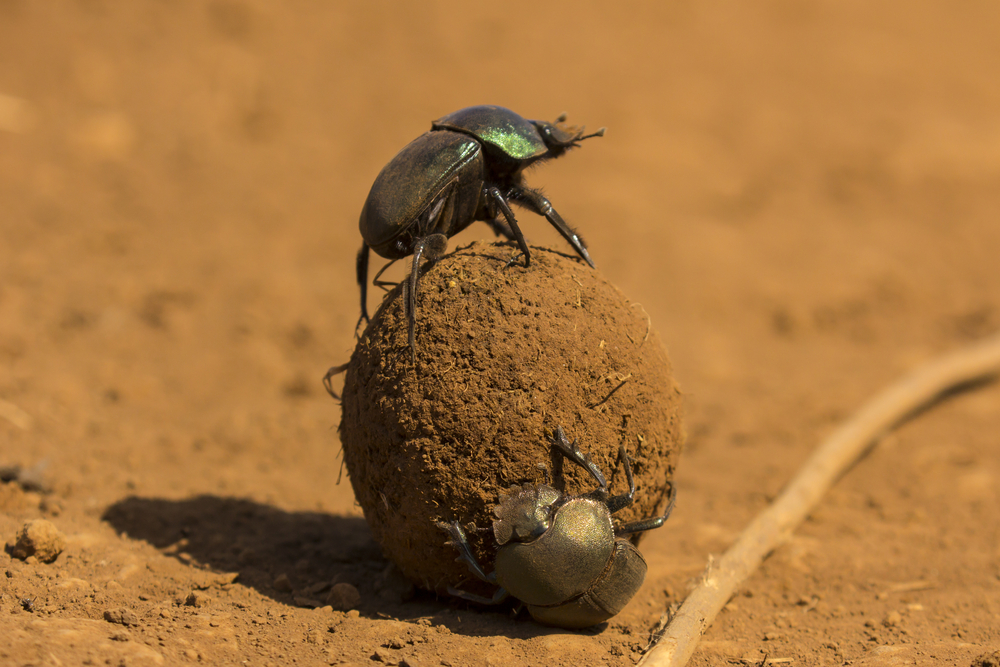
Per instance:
(559,136)
(525,514)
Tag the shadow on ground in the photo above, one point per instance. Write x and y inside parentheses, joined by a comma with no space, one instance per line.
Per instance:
(313,550)
(263,544)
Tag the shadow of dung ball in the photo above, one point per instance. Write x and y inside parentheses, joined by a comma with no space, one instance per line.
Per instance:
(504,356)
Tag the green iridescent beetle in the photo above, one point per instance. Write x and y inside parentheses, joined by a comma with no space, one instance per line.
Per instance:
(467,168)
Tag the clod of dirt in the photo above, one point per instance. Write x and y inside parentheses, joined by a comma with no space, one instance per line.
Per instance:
(41,539)
(197,599)
(343,597)
(504,356)
(991,659)
(121,616)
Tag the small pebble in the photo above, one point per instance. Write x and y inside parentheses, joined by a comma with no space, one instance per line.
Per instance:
(283,583)
(302,601)
(343,596)
(892,619)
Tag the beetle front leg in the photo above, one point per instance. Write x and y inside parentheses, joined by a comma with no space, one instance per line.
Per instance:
(497,200)
(461,544)
(537,202)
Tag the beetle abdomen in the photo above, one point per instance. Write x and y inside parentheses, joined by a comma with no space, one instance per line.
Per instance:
(413,179)
(565,561)
(607,597)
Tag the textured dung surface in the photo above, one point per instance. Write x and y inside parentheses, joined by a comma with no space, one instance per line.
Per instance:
(504,355)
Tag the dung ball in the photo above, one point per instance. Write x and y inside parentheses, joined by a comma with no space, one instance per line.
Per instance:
(504,355)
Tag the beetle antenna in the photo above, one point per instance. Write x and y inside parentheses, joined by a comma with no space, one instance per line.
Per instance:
(599,133)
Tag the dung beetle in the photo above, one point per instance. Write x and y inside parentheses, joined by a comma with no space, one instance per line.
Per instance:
(561,555)
(468,167)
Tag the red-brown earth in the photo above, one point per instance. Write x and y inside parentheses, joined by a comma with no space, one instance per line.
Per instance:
(803,197)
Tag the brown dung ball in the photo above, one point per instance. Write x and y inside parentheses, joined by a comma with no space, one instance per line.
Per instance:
(504,356)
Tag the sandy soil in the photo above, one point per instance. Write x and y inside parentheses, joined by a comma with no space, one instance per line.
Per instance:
(803,198)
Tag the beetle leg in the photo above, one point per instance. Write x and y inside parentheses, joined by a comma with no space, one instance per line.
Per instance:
(545,469)
(500,203)
(650,523)
(497,598)
(362,271)
(537,202)
(616,503)
(384,284)
(501,228)
(432,246)
(461,544)
(573,453)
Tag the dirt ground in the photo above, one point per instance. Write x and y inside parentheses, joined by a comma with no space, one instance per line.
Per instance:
(803,196)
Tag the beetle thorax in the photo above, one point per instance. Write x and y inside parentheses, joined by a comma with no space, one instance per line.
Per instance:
(525,514)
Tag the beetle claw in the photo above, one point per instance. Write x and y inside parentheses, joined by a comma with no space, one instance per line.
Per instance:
(513,260)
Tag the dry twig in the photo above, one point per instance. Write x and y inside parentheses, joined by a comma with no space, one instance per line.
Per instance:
(773,526)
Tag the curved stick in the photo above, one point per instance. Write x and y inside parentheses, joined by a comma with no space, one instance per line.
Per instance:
(976,363)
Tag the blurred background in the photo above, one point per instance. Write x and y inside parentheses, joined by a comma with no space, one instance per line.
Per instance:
(803,196)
